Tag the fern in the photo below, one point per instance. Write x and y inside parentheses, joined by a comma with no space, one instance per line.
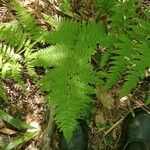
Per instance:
(22,31)
(70,79)
(137,71)
(121,59)
(52,55)
(10,65)
(28,22)
(69,82)
(129,50)
(30,55)
(9,33)
(104,6)
(23,16)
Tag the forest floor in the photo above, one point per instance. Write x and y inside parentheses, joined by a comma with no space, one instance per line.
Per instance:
(104,128)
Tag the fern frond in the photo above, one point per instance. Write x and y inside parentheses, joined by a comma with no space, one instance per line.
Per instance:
(9,33)
(122,16)
(10,63)
(121,59)
(30,55)
(70,86)
(16,73)
(137,70)
(8,54)
(104,6)
(104,58)
(69,82)
(28,22)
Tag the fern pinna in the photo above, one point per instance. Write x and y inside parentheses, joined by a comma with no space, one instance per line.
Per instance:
(71,81)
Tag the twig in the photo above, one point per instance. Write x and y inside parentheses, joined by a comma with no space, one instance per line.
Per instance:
(143,106)
(114,126)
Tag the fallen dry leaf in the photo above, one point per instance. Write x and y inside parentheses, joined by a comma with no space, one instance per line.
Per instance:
(8,131)
(104,97)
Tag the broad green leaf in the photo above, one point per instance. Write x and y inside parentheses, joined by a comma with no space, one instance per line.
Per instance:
(26,137)
(13,121)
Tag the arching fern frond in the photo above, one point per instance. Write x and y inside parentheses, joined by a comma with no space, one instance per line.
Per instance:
(129,58)
(69,86)
(123,14)
(121,59)
(140,64)
(16,73)
(10,64)
(28,22)
(9,33)
(69,82)
(104,6)
(30,55)
(8,54)
(22,47)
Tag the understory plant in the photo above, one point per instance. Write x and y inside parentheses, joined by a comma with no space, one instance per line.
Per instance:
(120,30)
(71,81)
(129,54)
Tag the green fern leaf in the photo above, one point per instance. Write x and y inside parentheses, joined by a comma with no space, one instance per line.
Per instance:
(121,59)
(28,22)
(9,33)
(16,74)
(122,16)
(68,83)
(25,18)
(30,55)
(51,56)
(104,6)
(137,70)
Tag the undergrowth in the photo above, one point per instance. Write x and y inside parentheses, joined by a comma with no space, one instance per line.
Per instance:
(120,28)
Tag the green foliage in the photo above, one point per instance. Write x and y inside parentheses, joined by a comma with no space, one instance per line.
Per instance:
(138,70)
(16,48)
(69,82)
(65,5)
(12,62)
(129,53)
(27,22)
(13,121)
(9,63)
(9,33)
(70,78)
(19,125)
(124,13)
(104,6)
